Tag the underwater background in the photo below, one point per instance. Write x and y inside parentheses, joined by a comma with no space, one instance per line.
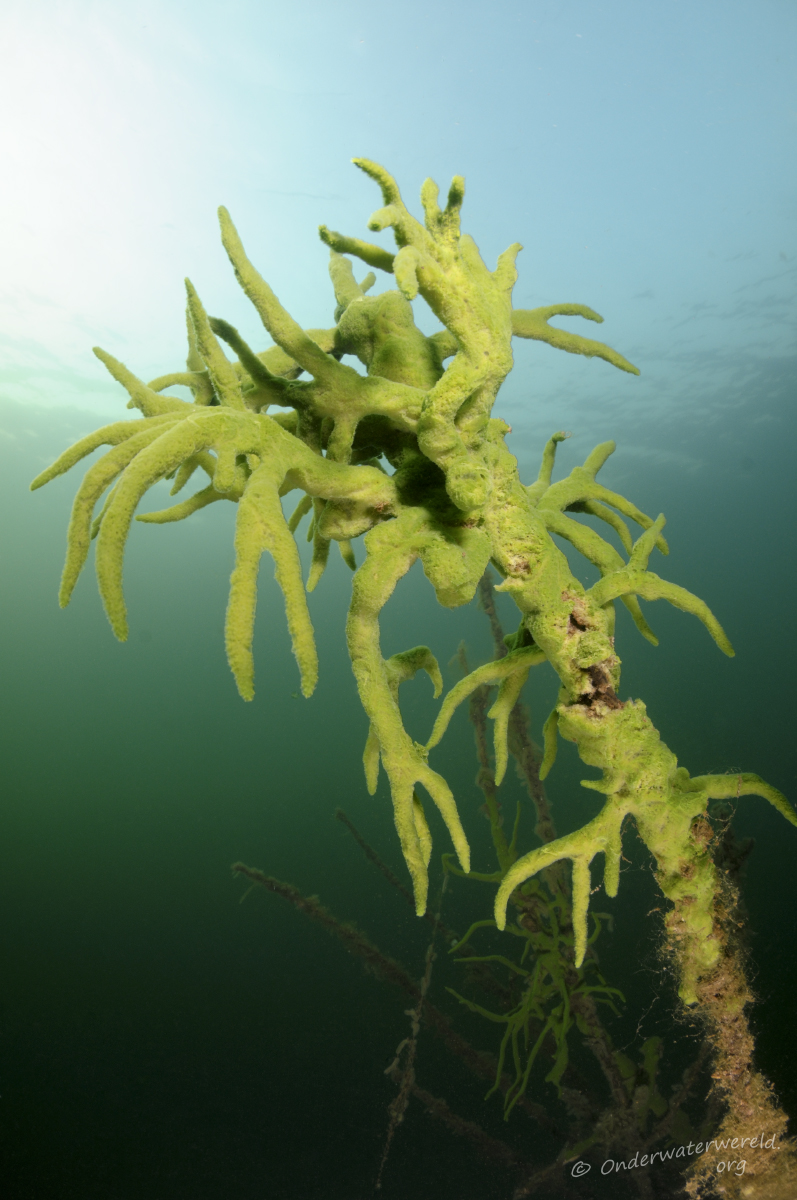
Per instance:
(164,1033)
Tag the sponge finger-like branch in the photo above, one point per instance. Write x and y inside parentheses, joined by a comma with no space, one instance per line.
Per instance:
(431,209)
(731,787)
(643,547)
(220,369)
(628,510)
(344,285)
(508,694)
(109,435)
(543,481)
(217,427)
(533,323)
(286,332)
(505,273)
(186,508)
(412,840)
(406,230)
(598,457)
(638,617)
(301,510)
(142,397)
(491,672)
(186,470)
(586,540)
(387,184)
(320,557)
(601,834)
(456,195)
(580,485)
(581,885)
(258,372)
(399,668)
(261,526)
(405,269)
(594,508)
(550,742)
(94,483)
(446,805)
(651,587)
(197,381)
(374,256)
(422,830)
(404,666)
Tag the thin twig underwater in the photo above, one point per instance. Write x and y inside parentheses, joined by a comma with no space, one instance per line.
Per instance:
(409,457)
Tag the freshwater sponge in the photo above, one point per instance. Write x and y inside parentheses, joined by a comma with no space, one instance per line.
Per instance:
(408,456)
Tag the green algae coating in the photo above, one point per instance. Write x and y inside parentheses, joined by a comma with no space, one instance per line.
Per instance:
(455,501)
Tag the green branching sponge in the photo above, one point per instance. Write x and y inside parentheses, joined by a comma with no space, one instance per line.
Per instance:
(407,455)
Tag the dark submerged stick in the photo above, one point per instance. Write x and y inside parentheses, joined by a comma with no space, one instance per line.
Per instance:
(480,1063)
